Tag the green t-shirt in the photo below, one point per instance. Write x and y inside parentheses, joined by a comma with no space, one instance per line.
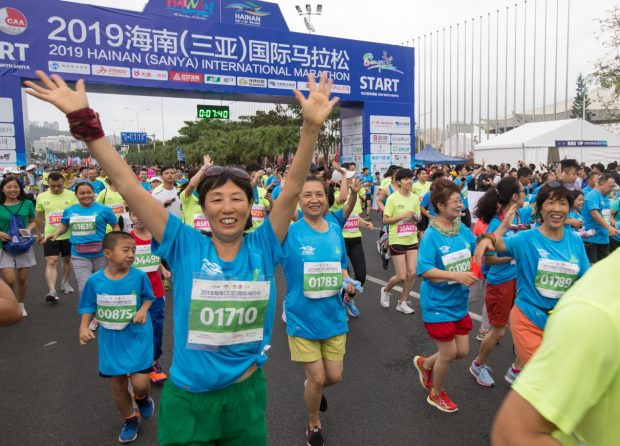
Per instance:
(403,232)
(25,212)
(259,210)
(114,201)
(421,189)
(351,227)
(192,212)
(53,205)
(573,380)
(385,182)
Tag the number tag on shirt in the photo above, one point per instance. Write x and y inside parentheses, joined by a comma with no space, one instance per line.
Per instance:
(322,279)
(82,225)
(457,262)
(53,219)
(258,213)
(115,312)
(227,312)
(405,228)
(145,260)
(352,224)
(201,223)
(118,209)
(554,277)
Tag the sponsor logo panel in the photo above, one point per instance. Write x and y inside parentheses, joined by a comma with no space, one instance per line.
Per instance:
(217,79)
(105,70)
(280,84)
(179,76)
(12,21)
(256,82)
(152,75)
(68,67)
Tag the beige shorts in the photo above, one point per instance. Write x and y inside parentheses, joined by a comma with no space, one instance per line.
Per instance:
(16,261)
(310,350)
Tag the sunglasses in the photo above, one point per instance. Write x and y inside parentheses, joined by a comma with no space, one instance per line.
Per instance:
(216,171)
(555,184)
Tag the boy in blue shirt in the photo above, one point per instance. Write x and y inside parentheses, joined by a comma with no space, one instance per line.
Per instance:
(121,296)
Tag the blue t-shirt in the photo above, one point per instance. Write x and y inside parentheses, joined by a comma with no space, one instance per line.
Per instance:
(276,192)
(535,194)
(87,225)
(335,217)
(146,185)
(130,349)
(307,317)
(187,251)
(443,301)
(426,204)
(585,190)
(594,200)
(503,272)
(464,193)
(369,179)
(533,251)
(97,185)
(572,215)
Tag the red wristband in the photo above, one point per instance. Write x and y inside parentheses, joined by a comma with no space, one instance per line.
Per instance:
(85,125)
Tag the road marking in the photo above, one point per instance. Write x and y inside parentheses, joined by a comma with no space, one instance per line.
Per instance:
(372,279)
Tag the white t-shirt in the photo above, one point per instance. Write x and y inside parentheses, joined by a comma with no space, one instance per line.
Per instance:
(171,196)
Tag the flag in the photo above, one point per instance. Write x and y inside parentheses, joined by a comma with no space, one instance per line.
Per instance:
(180,155)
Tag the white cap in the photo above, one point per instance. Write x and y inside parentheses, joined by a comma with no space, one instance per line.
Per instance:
(15,170)
(31,167)
(155,179)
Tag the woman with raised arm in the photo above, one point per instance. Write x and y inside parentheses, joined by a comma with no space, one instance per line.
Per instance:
(224,288)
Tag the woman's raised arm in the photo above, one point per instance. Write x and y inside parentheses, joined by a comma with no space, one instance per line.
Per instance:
(55,91)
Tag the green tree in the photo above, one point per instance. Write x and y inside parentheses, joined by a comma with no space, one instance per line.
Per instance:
(607,68)
(581,101)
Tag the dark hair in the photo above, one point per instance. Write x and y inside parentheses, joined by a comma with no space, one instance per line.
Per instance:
(55,176)
(501,195)
(401,174)
(5,181)
(83,183)
(252,167)
(569,164)
(111,239)
(390,171)
(167,167)
(419,171)
(546,192)
(312,177)
(437,175)
(604,177)
(190,175)
(441,190)
(524,172)
(83,168)
(210,183)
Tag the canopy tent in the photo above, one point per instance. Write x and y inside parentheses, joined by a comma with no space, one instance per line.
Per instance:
(430,156)
(551,141)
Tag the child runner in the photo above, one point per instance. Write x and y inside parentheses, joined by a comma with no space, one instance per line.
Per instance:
(121,296)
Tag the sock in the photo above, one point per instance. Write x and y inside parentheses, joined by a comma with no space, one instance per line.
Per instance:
(514,370)
(477,364)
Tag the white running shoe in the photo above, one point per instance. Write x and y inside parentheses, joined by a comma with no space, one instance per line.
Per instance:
(385,298)
(66,287)
(404,308)
(21,307)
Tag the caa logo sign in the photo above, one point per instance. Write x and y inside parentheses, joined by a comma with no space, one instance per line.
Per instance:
(12,21)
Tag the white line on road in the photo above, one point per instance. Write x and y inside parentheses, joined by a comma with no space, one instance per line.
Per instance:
(372,279)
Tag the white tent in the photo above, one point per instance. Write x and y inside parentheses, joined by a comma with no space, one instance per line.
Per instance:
(536,143)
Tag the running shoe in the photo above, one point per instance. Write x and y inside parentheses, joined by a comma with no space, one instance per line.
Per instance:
(379,247)
(349,304)
(52,297)
(129,431)
(157,376)
(146,407)
(481,334)
(385,298)
(426,375)
(511,375)
(23,309)
(404,308)
(314,436)
(482,373)
(442,402)
(66,287)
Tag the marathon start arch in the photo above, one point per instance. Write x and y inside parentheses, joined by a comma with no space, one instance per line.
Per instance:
(197,48)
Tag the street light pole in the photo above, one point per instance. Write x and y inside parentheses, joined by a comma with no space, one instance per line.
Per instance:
(308,13)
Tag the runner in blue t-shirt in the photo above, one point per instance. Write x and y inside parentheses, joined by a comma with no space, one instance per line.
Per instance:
(120,297)
(597,217)
(224,291)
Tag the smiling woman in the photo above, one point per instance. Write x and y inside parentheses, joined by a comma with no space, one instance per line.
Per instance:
(220,353)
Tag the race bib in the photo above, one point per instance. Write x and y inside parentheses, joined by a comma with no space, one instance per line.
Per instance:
(352,224)
(227,312)
(457,262)
(145,260)
(115,312)
(118,209)
(322,279)
(405,228)
(53,219)
(201,223)
(82,225)
(258,213)
(554,277)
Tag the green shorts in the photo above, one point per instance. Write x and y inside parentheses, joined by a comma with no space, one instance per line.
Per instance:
(233,416)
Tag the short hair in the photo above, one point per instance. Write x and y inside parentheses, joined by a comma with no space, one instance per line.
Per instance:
(252,167)
(5,181)
(546,192)
(111,239)
(167,167)
(524,172)
(570,163)
(83,183)
(437,175)
(401,174)
(441,191)
(55,176)
(604,177)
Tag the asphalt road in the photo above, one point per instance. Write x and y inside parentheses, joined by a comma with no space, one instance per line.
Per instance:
(51,393)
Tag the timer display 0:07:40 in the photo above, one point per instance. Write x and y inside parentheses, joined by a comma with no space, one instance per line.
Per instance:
(213,112)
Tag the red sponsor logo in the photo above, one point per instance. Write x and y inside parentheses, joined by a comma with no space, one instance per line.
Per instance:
(177,76)
(12,21)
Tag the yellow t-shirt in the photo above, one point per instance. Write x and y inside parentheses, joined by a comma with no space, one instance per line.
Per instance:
(114,201)
(52,206)
(403,232)
(573,380)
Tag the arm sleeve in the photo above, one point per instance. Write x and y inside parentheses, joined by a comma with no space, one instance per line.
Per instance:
(39,205)
(65,216)
(574,365)
(110,217)
(592,203)
(513,244)
(268,241)
(178,239)
(88,299)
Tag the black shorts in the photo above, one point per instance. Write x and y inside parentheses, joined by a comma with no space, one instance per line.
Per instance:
(56,248)
(143,372)
(399,250)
